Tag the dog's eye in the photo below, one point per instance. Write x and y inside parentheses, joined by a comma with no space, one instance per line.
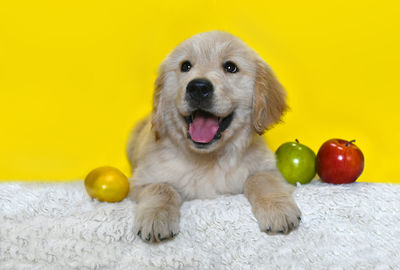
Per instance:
(230,67)
(186,66)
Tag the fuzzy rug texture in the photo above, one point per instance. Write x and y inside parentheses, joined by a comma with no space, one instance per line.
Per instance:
(57,226)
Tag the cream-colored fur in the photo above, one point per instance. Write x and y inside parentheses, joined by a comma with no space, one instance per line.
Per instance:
(168,167)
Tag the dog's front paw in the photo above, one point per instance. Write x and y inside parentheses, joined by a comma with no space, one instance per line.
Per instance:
(156,223)
(277,213)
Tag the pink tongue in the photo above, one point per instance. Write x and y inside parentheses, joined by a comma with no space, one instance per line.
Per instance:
(203,128)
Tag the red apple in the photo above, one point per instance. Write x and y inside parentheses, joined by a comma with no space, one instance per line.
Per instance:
(339,161)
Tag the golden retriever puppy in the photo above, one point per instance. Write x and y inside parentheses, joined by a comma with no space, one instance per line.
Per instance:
(213,98)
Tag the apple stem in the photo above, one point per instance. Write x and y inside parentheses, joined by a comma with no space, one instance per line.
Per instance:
(297,140)
(350,142)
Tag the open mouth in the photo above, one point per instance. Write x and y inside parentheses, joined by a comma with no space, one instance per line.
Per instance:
(205,128)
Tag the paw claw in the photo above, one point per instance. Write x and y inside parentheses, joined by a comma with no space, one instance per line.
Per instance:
(283,230)
(148,238)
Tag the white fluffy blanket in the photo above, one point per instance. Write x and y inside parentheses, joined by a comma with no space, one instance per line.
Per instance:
(57,226)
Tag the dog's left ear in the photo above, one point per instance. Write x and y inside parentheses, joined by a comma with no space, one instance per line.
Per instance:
(269,98)
(157,120)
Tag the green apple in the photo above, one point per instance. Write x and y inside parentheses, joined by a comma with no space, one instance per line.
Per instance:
(296,162)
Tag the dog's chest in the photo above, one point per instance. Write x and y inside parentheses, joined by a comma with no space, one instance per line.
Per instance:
(196,180)
(213,180)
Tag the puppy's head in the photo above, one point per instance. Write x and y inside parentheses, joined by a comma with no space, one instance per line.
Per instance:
(213,89)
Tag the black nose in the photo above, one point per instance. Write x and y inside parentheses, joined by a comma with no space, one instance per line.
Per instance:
(199,90)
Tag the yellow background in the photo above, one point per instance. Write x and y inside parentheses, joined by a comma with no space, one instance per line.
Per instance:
(75,75)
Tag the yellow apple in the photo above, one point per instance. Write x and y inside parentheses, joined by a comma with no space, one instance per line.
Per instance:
(107,184)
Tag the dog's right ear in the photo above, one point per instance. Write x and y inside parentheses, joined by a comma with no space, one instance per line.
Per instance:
(157,120)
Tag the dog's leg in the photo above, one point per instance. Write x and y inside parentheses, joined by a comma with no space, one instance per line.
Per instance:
(157,211)
(272,203)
